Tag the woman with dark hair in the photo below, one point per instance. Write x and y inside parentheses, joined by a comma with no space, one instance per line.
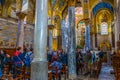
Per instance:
(17,59)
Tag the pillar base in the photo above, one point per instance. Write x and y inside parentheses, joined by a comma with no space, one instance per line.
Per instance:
(39,70)
(72,77)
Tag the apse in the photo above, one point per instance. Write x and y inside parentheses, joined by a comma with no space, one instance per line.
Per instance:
(102,5)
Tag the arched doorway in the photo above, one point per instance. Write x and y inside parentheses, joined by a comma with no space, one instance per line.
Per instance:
(102,21)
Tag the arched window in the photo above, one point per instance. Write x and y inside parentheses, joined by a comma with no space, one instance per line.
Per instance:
(104,28)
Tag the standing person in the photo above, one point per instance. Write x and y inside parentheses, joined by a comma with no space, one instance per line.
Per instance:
(87,58)
(64,58)
(17,60)
(93,57)
(101,54)
(2,58)
(28,57)
(24,51)
(1,62)
(49,55)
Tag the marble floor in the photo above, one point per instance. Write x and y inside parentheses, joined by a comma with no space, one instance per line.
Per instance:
(104,74)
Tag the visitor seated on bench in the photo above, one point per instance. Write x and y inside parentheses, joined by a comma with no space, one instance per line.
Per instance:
(57,64)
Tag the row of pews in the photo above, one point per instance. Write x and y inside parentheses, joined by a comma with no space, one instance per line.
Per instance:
(116,66)
(56,75)
(23,73)
(9,51)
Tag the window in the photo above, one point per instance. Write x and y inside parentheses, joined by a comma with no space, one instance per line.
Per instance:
(104,28)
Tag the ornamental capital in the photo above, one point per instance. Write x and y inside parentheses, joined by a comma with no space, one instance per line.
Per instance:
(21,15)
(71,2)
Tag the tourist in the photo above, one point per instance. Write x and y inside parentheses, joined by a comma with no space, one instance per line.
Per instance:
(101,54)
(17,61)
(3,58)
(28,57)
(57,64)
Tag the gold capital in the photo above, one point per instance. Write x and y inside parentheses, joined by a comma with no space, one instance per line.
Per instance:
(21,15)
(71,2)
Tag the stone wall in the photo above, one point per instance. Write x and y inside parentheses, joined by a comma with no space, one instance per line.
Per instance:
(8,33)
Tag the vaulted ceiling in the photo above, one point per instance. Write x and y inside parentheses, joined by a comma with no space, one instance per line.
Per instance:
(55,7)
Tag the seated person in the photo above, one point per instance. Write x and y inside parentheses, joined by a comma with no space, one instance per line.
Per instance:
(57,64)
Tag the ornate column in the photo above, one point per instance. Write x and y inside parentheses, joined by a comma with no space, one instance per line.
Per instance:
(39,66)
(64,35)
(71,41)
(117,25)
(21,16)
(20,36)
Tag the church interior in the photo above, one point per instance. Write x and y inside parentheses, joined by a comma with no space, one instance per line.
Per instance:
(59,39)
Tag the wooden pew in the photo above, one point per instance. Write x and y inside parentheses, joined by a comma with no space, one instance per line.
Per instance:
(9,51)
(116,66)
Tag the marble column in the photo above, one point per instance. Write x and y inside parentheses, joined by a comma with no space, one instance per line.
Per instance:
(20,35)
(71,44)
(117,27)
(50,40)
(39,66)
(89,37)
(64,35)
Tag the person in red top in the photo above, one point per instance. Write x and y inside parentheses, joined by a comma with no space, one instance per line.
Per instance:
(17,61)
(18,51)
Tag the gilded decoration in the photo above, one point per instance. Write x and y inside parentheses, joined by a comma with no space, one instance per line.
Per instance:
(57,10)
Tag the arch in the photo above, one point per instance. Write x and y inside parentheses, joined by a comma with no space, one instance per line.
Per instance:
(105,44)
(102,5)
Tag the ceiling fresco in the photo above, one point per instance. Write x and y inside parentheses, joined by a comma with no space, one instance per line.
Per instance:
(102,5)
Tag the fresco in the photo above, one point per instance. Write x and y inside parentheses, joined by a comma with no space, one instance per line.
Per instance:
(53,2)
(61,3)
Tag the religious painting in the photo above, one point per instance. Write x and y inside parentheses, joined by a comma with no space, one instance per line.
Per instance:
(79,10)
(54,33)
(81,33)
(61,3)
(53,2)
(78,14)
(13,9)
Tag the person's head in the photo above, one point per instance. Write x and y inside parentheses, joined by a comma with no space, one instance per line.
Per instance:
(25,49)
(31,49)
(18,48)
(3,52)
(58,59)
(55,53)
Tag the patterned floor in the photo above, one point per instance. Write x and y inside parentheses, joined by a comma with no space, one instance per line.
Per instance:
(104,74)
